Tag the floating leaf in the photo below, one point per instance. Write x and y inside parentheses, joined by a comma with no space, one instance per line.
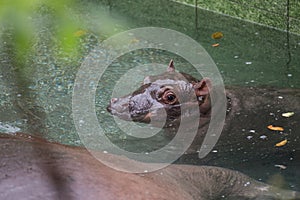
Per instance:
(282,143)
(217,35)
(275,128)
(287,114)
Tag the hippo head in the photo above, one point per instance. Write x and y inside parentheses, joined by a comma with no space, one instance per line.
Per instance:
(162,97)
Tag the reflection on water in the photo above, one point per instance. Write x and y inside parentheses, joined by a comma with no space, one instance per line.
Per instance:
(39,102)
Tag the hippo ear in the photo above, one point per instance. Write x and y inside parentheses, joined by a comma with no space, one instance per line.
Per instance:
(202,87)
(171,67)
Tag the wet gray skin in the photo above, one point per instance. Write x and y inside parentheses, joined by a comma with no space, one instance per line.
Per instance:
(33,169)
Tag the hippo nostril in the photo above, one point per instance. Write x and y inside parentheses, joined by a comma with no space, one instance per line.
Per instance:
(108,108)
(114,100)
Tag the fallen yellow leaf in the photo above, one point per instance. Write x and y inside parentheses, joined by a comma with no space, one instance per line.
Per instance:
(275,128)
(134,40)
(282,143)
(217,35)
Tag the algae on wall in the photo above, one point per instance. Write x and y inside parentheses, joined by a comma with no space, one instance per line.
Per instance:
(267,12)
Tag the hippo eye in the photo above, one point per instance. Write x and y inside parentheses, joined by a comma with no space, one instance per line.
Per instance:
(169,97)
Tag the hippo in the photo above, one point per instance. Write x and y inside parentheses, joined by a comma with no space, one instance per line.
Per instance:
(32,168)
(245,142)
(170,90)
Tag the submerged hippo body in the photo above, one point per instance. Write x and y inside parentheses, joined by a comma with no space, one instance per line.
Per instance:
(35,169)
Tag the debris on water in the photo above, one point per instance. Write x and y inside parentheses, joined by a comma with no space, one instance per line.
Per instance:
(290,75)
(248,63)
(215,45)
(217,35)
(215,151)
(280,97)
(282,143)
(263,137)
(287,114)
(236,57)
(134,40)
(249,137)
(275,128)
(6,128)
(80,33)
(252,131)
(280,166)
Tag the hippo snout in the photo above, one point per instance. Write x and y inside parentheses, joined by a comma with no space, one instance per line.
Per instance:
(120,107)
(112,104)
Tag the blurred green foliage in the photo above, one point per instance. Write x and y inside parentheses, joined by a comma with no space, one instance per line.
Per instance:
(36,33)
(19,17)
